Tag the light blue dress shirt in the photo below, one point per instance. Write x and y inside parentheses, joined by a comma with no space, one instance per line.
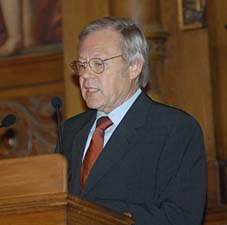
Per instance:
(116,116)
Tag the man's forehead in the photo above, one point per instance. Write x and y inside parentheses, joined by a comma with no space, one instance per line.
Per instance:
(98,40)
(102,34)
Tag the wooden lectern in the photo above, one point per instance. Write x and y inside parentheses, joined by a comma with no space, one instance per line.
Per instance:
(33,191)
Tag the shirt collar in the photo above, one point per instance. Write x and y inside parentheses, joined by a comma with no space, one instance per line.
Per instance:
(118,113)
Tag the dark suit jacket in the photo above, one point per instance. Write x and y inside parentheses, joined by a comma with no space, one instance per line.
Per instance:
(153,165)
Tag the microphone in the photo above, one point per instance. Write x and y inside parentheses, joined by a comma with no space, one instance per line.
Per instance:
(57,103)
(8,120)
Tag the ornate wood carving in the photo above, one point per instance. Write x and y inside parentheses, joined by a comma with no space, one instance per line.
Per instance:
(34,131)
(157,37)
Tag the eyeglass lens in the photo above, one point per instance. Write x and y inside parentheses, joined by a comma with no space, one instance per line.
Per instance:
(95,64)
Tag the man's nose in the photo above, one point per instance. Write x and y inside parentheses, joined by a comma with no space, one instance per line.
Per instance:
(87,72)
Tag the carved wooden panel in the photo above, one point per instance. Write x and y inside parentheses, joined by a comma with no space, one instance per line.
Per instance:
(35,130)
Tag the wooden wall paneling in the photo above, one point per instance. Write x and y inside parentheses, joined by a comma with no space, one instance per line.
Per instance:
(77,14)
(148,10)
(216,216)
(188,81)
(31,69)
(119,8)
(27,84)
(144,12)
(217,19)
(50,89)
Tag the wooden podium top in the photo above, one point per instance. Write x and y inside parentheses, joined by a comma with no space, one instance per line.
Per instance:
(33,175)
(33,191)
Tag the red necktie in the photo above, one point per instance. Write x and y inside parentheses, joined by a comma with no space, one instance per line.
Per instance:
(94,148)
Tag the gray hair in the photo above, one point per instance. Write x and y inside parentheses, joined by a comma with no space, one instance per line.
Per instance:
(133,44)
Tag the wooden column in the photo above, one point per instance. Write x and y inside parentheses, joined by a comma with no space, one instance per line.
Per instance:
(147,14)
(76,14)
(217,19)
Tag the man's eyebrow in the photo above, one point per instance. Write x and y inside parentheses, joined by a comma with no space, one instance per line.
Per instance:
(81,59)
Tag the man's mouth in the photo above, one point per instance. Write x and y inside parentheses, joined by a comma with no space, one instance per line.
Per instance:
(91,91)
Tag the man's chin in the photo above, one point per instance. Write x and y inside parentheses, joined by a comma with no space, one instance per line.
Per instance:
(92,105)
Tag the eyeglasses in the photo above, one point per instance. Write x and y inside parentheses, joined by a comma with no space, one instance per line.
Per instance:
(97,65)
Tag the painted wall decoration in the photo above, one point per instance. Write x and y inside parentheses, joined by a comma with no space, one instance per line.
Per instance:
(191,14)
(28,25)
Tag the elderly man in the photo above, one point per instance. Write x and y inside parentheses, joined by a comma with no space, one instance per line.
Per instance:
(127,152)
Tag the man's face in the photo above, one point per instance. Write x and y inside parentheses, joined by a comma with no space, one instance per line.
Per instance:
(111,88)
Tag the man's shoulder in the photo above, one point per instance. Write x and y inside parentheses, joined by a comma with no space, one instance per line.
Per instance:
(80,120)
(168,114)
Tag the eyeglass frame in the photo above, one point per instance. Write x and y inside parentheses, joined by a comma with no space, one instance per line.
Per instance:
(73,63)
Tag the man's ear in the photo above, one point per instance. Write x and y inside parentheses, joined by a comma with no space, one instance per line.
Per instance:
(135,68)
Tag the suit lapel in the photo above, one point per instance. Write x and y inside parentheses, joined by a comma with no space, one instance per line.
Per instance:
(121,142)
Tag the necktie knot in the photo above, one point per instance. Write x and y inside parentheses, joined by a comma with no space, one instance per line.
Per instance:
(103,122)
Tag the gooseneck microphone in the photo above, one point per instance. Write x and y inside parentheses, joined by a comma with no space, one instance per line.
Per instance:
(8,120)
(57,103)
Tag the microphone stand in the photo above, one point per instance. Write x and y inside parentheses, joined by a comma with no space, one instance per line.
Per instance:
(59,128)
